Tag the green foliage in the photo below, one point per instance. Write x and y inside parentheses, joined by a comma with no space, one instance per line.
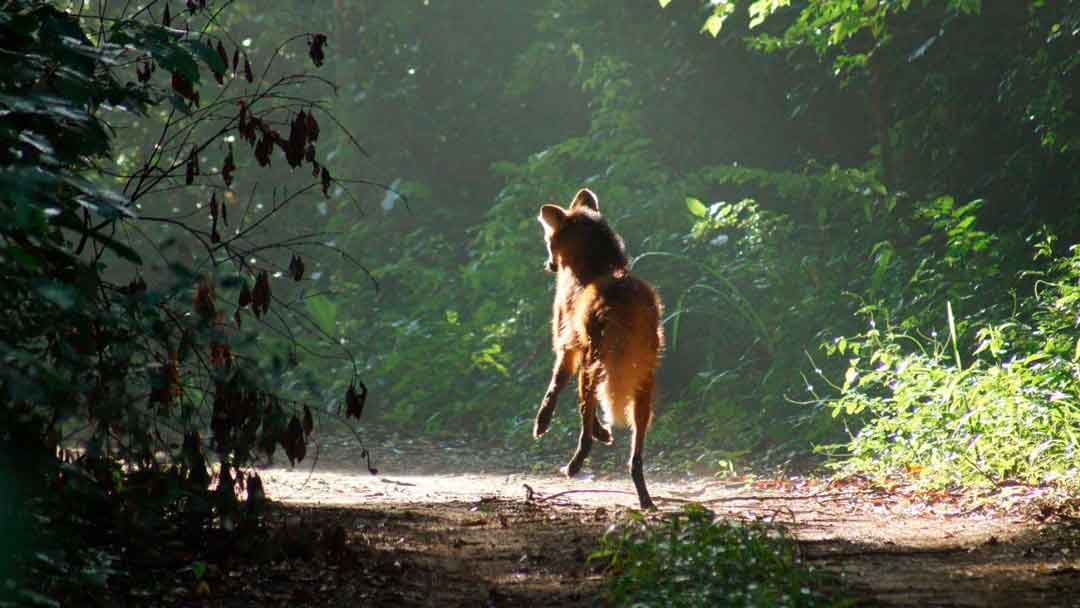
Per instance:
(769,195)
(854,29)
(111,341)
(692,559)
(762,242)
(1010,413)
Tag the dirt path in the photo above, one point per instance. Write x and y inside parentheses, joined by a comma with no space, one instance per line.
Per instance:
(449,539)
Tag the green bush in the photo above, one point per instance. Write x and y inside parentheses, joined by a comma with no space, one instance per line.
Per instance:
(691,559)
(1008,410)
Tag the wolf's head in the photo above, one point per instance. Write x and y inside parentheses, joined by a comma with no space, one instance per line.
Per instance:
(579,240)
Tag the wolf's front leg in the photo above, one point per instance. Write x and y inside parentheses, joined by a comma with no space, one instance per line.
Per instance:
(565,362)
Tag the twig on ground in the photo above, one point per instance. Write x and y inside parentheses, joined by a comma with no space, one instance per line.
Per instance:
(532,495)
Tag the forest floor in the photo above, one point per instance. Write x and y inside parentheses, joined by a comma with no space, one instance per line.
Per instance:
(445,524)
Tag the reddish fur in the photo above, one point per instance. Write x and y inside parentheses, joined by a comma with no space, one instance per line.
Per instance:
(605,327)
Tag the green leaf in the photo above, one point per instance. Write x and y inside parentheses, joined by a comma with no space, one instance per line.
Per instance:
(323,312)
(162,45)
(762,9)
(696,207)
(209,56)
(713,25)
(952,333)
(664,3)
(850,377)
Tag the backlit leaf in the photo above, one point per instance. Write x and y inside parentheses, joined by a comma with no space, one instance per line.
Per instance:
(696,207)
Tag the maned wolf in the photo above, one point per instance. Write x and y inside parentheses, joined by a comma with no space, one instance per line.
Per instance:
(605,326)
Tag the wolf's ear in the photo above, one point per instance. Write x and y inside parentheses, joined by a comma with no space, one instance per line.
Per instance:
(586,198)
(552,217)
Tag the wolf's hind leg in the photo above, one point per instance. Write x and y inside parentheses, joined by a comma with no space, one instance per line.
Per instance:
(587,377)
(643,401)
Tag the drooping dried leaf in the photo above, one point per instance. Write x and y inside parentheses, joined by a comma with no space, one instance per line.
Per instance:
(224,55)
(184,88)
(260,297)
(293,441)
(203,304)
(166,17)
(191,169)
(214,236)
(264,149)
(294,149)
(248,74)
(189,172)
(236,59)
(325,177)
(245,295)
(246,124)
(354,402)
(309,420)
(225,208)
(296,268)
(237,318)
(315,49)
(312,127)
(228,167)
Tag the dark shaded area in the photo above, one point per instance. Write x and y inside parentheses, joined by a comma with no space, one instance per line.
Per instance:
(1036,568)
(489,552)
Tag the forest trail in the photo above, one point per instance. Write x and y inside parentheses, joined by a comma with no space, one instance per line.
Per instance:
(500,537)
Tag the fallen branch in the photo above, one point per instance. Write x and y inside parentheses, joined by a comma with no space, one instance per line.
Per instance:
(531,495)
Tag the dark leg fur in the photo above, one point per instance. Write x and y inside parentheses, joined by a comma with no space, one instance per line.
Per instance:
(642,414)
(638,475)
(587,404)
(559,377)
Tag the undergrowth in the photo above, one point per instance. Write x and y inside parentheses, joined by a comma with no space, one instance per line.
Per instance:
(691,559)
(945,412)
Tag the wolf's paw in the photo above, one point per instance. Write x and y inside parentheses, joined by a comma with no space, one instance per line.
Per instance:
(570,470)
